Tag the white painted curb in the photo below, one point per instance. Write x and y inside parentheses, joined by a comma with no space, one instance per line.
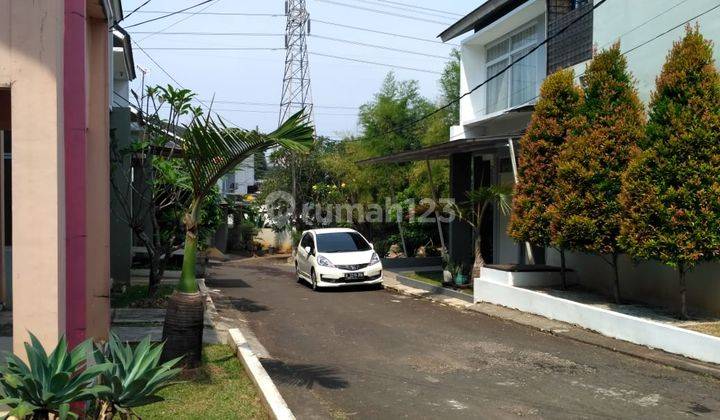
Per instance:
(612,324)
(268,391)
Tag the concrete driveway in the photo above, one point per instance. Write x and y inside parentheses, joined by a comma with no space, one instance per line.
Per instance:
(372,354)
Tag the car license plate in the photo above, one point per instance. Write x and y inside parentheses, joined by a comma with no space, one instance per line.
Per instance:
(354,276)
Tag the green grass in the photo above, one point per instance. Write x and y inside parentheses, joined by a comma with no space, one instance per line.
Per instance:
(219,389)
(137,296)
(431,277)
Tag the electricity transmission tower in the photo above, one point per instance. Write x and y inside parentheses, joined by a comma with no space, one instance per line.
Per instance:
(296,93)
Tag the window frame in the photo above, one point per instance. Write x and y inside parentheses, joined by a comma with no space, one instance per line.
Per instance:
(507,37)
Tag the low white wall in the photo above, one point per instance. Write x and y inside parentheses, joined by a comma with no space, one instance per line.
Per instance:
(612,324)
(525,278)
(648,282)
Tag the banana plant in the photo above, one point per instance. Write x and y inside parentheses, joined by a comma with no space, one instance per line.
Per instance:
(135,378)
(48,384)
(211,150)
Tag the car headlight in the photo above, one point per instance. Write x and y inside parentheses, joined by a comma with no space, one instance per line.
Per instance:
(324,262)
(374,259)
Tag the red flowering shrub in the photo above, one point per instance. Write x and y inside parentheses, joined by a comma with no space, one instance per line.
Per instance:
(671,191)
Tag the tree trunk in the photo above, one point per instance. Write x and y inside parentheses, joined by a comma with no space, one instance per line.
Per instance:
(563,271)
(155,276)
(479,262)
(183,328)
(683,291)
(616,279)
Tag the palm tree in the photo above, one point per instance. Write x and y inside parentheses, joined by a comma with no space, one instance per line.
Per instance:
(210,150)
(473,212)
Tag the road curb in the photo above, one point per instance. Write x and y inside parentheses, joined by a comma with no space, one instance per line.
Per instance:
(273,401)
(269,393)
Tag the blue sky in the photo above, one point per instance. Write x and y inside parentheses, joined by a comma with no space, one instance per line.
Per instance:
(256,76)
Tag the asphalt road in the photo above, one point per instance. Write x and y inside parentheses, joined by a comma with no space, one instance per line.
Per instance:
(371,354)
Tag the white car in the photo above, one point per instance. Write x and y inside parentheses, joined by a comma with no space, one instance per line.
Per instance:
(336,257)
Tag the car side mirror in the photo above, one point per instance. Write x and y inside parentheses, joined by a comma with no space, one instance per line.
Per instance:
(308,250)
(371,245)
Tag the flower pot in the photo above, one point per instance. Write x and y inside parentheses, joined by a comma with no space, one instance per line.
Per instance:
(461,279)
(447,277)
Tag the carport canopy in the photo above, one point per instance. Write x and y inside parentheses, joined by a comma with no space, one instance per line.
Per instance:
(444,150)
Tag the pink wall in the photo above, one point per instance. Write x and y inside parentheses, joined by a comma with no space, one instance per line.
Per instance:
(74,113)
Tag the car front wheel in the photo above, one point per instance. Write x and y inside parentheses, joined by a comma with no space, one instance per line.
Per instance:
(313,280)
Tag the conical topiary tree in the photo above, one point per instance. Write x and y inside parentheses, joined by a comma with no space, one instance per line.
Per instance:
(554,114)
(671,191)
(587,212)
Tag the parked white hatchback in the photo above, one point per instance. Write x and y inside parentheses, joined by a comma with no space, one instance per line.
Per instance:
(335,257)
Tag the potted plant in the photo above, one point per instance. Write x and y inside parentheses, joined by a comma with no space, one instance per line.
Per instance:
(461,277)
(449,269)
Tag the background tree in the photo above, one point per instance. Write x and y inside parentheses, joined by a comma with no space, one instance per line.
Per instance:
(587,212)
(671,192)
(209,151)
(555,112)
(149,184)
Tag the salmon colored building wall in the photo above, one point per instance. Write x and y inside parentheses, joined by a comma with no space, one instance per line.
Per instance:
(53,57)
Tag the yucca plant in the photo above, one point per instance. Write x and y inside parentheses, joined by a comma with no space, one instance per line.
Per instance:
(48,384)
(135,376)
(210,150)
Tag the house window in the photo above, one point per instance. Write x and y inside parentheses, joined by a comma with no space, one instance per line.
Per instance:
(518,84)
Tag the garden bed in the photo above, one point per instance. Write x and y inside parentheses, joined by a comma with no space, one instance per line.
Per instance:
(136,297)
(434,278)
(218,389)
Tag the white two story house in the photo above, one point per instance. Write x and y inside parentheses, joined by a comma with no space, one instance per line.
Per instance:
(493,116)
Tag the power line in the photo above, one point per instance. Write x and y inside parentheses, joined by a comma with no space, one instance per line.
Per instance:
(133,11)
(177,22)
(214,33)
(169,14)
(383,32)
(217,48)
(502,71)
(215,13)
(255,111)
(383,12)
(411,9)
(219,101)
(375,63)
(671,29)
(378,46)
(175,80)
(421,8)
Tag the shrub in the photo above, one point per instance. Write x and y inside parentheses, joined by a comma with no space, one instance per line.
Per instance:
(671,192)
(47,385)
(135,375)
(586,211)
(537,167)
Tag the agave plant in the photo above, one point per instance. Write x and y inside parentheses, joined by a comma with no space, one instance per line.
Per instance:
(48,384)
(210,150)
(135,376)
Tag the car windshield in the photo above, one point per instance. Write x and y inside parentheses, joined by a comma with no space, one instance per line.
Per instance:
(341,242)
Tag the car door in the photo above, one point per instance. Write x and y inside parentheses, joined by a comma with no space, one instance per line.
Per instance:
(303,255)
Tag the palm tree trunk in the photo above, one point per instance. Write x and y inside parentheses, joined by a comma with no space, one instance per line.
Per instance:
(479,262)
(183,328)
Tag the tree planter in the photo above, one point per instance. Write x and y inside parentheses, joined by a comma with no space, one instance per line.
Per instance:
(183,328)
